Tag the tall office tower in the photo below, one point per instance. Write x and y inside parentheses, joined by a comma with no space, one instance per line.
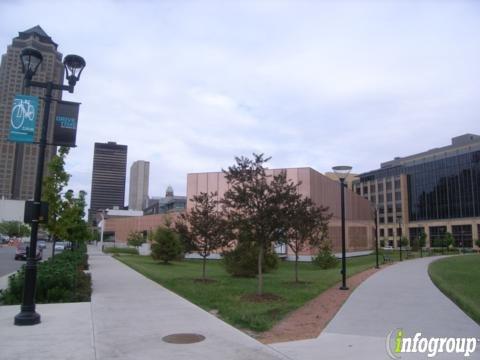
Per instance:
(18,162)
(138,193)
(108,177)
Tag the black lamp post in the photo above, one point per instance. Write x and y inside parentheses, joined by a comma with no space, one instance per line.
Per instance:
(377,266)
(342,173)
(399,233)
(31,60)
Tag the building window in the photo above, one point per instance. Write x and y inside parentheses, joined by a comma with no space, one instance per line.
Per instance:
(436,235)
(382,232)
(398,208)
(397,184)
(381,210)
(399,231)
(380,187)
(462,235)
(398,196)
(380,198)
(390,219)
(389,197)
(381,220)
(357,190)
(390,232)
(389,185)
(365,190)
(373,198)
(372,188)
(415,233)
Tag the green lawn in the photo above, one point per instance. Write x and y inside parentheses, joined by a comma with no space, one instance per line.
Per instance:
(458,278)
(225,294)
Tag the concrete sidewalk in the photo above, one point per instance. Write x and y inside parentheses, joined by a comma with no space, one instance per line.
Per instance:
(127,319)
(399,296)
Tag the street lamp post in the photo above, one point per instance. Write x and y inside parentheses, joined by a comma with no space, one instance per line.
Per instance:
(376,237)
(342,173)
(31,60)
(399,233)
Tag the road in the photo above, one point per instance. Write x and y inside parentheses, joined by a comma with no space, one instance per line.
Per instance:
(8,263)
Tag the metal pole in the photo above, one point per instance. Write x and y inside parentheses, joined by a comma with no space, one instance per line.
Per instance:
(376,238)
(400,240)
(27,314)
(344,255)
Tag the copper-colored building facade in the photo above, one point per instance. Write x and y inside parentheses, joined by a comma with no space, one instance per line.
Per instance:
(324,191)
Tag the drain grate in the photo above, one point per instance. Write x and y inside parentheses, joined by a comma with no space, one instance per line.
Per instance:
(184,338)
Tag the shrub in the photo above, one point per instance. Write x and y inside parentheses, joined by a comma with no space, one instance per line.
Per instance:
(166,245)
(135,239)
(382,243)
(59,279)
(243,260)
(325,259)
(477,242)
(122,250)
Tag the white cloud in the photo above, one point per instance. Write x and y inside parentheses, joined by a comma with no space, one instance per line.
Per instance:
(189,85)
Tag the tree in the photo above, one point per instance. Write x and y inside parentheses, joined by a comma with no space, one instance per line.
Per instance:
(258,202)
(53,186)
(308,226)
(14,229)
(72,220)
(205,226)
(448,240)
(136,239)
(166,244)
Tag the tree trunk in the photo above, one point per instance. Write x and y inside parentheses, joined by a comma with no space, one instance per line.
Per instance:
(260,275)
(204,264)
(296,267)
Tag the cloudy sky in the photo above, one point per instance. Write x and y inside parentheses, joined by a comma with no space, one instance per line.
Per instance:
(188,85)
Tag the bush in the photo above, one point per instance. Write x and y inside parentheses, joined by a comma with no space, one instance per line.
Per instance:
(325,258)
(59,279)
(243,260)
(166,245)
(117,250)
(382,243)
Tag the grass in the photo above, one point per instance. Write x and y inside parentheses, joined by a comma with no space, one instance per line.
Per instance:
(226,294)
(120,250)
(458,278)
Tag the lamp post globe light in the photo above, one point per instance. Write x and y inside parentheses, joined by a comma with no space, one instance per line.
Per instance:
(342,173)
(74,65)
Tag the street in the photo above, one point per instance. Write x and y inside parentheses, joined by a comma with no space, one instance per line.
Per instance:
(8,263)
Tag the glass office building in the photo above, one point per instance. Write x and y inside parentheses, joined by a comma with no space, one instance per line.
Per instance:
(435,192)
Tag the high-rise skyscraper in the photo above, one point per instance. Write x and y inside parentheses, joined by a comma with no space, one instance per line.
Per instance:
(138,192)
(18,162)
(108,177)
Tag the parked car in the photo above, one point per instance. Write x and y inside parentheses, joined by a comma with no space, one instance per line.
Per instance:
(21,252)
(42,244)
(59,246)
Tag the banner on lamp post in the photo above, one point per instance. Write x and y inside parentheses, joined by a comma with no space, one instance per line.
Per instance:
(23,118)
(66,120)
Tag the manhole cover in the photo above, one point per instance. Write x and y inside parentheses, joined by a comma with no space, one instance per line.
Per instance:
(183,338)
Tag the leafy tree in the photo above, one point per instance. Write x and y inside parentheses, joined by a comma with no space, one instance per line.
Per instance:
(14,229)
(53,186)
(403,241)
(206,227)
(72,220)
(136,239)
(448,240)
(308,226)
(166,244)
(258,202)
(325,258)
(477,242)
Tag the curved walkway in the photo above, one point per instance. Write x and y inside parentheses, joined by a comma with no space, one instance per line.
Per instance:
(399,296)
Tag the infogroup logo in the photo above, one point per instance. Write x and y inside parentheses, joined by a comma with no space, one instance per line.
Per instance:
(397,343)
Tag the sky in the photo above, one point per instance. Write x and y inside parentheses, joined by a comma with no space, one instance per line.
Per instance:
(189,85)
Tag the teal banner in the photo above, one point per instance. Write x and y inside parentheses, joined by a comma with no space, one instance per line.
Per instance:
(23,118)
